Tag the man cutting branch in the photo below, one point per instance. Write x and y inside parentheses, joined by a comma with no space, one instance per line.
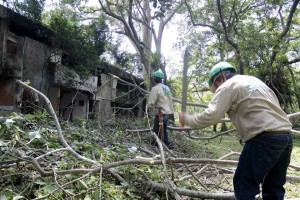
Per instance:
(264,127)
(161,103)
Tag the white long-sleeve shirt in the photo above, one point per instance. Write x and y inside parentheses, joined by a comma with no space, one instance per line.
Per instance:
(250,104)
(161,98)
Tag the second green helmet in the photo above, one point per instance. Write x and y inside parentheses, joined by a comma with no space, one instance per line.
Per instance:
(158,74)
(217,69)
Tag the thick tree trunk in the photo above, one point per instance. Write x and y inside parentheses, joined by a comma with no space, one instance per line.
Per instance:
(147,40)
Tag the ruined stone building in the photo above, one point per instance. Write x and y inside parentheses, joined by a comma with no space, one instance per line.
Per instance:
(26,55)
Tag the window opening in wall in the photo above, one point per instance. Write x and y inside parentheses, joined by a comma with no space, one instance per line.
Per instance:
(81,103)
(6,91)
(11,47)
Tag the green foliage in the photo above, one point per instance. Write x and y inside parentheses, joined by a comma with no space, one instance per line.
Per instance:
(122,58)
(157,61)
(253,42)
(81,44)
(108,145)
(29,8)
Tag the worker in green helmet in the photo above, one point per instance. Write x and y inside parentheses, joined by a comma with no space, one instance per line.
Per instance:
(160,104)
(263,126)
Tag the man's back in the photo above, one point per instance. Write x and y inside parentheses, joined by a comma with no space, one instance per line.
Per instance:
(254,106)
(161,97)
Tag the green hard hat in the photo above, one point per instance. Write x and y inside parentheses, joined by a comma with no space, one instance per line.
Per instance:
(158,74)
(217,69)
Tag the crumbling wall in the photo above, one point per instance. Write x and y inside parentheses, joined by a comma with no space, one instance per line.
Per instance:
(74,105)
(104,96)
(3,35)
(36,66)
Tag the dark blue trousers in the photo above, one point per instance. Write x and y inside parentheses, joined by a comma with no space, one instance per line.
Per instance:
(165,125)
(264,160)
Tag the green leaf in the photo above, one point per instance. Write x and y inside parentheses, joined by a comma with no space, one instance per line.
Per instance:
(49,188)
(83,184)
(87,197)
(96,194)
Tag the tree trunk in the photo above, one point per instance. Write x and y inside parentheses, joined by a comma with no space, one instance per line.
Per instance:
(147,40)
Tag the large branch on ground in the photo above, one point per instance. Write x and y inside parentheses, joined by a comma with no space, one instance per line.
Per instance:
(190,193)
(204,167)
(59,131)
(214,136)
(294,116)
(294,167)
(137,160)
(293,179)
(183,129)
(170,184)
(295,132)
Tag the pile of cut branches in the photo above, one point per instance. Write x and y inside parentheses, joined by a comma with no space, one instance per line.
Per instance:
(44,158)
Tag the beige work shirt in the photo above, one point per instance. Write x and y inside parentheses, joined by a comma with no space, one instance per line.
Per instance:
(250,104)
(161,98)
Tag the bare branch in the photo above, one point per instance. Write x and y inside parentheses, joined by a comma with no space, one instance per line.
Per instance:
(130,30)
(200,24)
(59,131)
(229,40)
(284,31)
(291,61)
(190,193)
(294,116)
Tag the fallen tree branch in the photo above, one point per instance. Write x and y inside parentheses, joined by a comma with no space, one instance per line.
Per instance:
(190,193)
(183,129)
(296,132)
(212,137)
(294,167)
(169,183)
(293,179)
(204,167)
(59,131)
(137,160)
(294,116)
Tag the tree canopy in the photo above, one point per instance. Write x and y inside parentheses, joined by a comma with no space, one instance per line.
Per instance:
(260,38)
